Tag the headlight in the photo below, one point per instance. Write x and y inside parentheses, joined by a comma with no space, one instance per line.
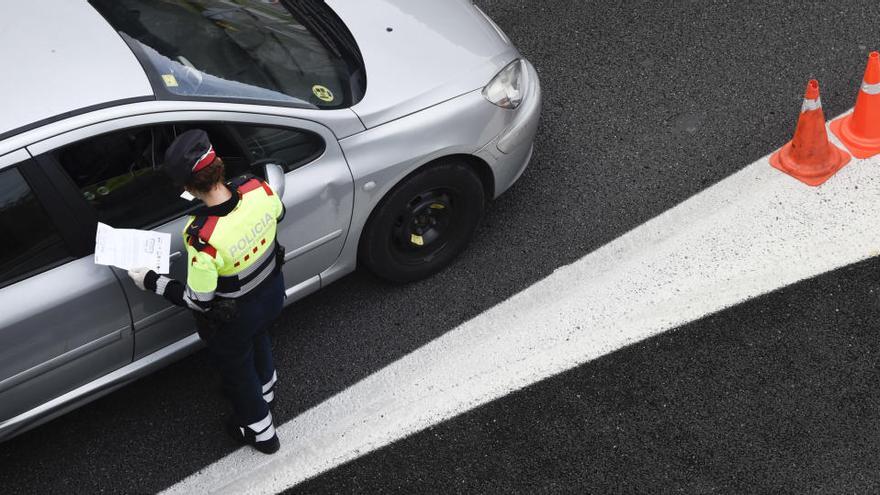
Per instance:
(505,89)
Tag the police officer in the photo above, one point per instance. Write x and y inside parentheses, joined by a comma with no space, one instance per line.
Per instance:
(234,283)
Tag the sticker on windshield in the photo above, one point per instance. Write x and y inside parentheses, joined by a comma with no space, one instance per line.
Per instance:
(322,93)
(169,80)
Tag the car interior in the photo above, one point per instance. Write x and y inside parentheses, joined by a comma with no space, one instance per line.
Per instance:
(121,173)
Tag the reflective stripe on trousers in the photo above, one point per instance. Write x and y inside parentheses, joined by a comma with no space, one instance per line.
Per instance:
(263,429)
(269,388)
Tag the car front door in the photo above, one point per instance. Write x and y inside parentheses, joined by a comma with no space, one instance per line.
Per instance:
(318,196)
(64,321)
(115,170)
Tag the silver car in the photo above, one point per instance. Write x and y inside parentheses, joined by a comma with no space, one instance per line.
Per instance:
(385,125)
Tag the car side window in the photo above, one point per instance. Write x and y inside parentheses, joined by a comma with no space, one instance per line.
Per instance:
(286,147)
(31,243)
(121,176)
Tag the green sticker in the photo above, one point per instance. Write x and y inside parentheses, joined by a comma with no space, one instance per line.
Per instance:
(322,93)
(169,80)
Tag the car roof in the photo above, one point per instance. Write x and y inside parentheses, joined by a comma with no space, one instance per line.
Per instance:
(60,57)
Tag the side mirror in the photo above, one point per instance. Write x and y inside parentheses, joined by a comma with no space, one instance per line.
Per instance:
(275,178)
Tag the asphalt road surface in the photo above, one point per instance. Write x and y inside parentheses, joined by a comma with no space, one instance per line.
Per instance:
(777,395)
(646,104)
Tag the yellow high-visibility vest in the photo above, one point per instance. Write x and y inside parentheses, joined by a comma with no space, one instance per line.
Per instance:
(231,254)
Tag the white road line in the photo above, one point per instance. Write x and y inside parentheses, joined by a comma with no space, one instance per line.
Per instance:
(756,231)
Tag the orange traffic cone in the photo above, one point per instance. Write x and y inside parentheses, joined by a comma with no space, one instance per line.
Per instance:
(810,157)
(860,130)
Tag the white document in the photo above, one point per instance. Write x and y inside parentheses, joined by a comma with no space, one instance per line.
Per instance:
(130,248)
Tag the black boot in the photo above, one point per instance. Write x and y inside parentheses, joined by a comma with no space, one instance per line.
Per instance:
(266,440)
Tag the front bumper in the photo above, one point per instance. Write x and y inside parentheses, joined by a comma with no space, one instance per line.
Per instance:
(509,152)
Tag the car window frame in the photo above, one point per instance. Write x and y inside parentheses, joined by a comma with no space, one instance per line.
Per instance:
(290,167)
(55,210)
(67,188)
(86,217)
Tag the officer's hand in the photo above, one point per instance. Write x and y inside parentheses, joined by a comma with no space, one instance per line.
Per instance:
(137,276)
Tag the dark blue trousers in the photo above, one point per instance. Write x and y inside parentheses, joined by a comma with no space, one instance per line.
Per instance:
(242,352)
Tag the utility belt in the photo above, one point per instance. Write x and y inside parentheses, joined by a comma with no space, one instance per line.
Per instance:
(235,286)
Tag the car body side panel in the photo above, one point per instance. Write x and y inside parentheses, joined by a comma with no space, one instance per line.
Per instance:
(58,330)
(97,388)
(319,198)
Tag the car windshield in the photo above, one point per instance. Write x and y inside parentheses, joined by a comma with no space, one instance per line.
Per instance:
(286,52)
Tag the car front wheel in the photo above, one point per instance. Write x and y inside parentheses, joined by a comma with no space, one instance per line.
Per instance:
(423,223)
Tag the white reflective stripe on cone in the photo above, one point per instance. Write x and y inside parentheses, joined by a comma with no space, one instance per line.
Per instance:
(261,424)
(871,89)
(271,382)
(269,397)
(266,435)
(811,105)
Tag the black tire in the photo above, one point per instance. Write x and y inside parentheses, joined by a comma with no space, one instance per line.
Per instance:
(423,223)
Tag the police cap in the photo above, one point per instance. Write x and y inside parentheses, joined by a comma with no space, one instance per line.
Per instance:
(190,152)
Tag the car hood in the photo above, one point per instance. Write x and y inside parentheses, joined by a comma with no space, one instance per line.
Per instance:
(418,53)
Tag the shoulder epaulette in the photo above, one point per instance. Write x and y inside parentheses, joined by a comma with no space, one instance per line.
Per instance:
(239,181)
(199,232)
